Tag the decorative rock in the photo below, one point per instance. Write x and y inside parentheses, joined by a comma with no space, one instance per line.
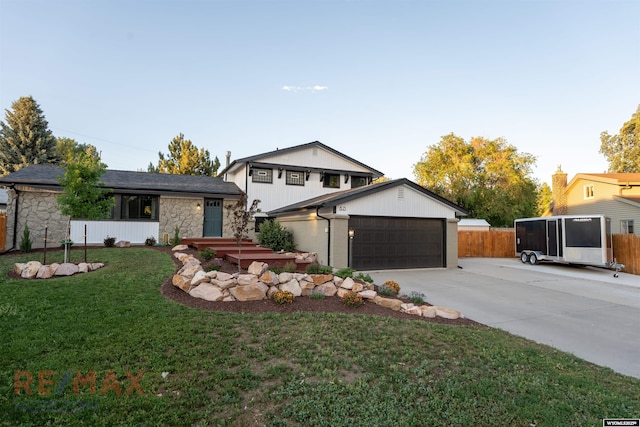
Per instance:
(285,277)
(270,278)
(407,305)
(190,270)
(200,277)
(447,313)
(306,285)
(30,269)
(213,274)
(224,276)
(180,256)
(368,294)
(341,292)
(428,311)
(224,284)
(357,287)
(66,269)
(253,292)
(83,267)
(416,311)
(18,267)
(247,279)
(190,259)
(181,282)
(180,248)
(272,290)
(257,268)
(319,279)
(229,299)
(208,292)
(347,283)
(393,304)
(123,244)
(292,286)
(337,280)
(95,265)
(45,272)
(328,289)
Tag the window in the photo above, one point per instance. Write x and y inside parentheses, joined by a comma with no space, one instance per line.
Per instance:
(588,191)
(262,175)
(358,181)
(139,207)
(626,226)
(295,178)
(331,180)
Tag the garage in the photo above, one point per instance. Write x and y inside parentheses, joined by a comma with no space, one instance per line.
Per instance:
(385,243)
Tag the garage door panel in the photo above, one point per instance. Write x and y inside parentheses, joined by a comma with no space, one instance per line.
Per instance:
(387,243)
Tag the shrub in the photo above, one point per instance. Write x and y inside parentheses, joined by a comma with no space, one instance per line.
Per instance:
(274,236)
(416,297)
(275,269)
(151,241)
(317,294)
(364,277)
(393,286)
(384,291)
(290,267)
(352,299)
(109,241)
(25,243)
(207,254)
(315,268)
(282,297)
(216,265)
(344,272)
(176,237)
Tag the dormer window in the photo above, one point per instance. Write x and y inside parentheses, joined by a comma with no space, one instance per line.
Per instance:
(588,192)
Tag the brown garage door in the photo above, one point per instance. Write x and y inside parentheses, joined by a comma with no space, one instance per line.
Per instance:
(392,243)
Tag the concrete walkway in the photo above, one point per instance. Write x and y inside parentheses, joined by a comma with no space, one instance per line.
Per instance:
(581,310)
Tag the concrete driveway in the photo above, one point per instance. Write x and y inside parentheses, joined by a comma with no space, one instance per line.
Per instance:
(580,310)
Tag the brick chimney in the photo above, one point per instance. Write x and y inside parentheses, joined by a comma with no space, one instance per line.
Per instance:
(558,187)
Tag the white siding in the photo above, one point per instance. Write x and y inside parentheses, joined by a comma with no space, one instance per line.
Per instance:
(400,201)
(135,232)
(314,157)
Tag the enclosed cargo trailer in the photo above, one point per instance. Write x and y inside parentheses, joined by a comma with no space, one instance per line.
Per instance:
(566,239)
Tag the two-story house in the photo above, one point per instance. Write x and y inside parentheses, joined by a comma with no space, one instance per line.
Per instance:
(616,195)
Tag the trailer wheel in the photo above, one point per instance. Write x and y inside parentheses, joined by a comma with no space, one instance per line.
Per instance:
(524,257)
(533,259)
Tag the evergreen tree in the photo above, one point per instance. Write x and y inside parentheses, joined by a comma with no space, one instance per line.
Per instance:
(25,138)
(184,158)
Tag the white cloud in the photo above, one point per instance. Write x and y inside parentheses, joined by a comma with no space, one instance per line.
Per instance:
(316,88)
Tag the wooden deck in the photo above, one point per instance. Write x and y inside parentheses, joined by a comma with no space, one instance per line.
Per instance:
(273,259)
(222,251)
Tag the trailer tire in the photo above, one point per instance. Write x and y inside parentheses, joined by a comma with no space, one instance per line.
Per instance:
(533,259)
(524,257)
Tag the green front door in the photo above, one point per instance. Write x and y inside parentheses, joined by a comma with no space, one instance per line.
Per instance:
(213,218)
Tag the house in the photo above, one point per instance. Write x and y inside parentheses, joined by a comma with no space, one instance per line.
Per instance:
(389,225)
(616,195)
(286,176)
(3,199)
(472,224)
(146,205)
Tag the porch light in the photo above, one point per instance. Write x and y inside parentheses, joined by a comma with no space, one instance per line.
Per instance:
(198,206)
(352,233)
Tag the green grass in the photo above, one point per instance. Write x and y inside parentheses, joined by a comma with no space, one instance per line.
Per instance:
(301,369)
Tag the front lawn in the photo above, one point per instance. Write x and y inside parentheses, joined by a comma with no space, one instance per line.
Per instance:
(159,363)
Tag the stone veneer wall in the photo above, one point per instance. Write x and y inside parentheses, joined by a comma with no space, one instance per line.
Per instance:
(227,231)
(182,213)
(37,210)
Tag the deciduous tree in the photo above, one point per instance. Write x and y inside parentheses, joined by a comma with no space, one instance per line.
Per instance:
(25,138)
(623,150)
(69,149)
(489,178)
(184,158)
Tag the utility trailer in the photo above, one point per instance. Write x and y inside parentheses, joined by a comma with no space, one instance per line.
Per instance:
(566,239)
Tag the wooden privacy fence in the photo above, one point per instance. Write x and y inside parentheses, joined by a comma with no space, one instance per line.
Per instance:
(3,229)
(487,244)
(626,250)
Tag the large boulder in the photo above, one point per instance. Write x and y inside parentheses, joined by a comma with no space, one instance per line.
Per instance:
(391,303)
(247,279)
(292,286)
(189,270)
(180,248)
(447,313)
(257,268)
(181,282)
(222,276)
(18,267)
(270,278)
(123,244)
(208,292)
(284,277)
(225,284)
(30,269)
(66,269)
(319,279)
(200,277)
(428,311)
(83,267)
(368,294)
(347,283)
(328,289)
(46,272)
(252,292)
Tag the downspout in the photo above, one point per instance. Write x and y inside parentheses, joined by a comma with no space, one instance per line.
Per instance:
(328,234)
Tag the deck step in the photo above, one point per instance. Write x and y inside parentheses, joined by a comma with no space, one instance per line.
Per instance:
(222,251)
(273,259)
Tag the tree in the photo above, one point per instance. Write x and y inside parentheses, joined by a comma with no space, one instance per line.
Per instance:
(623,150)
(83,195)
(25,138)
(545,197)
(489,178)
(239,219)
(184,158)
(69,149)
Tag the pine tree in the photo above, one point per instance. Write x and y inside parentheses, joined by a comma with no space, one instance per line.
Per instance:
(25,138)
(184,158)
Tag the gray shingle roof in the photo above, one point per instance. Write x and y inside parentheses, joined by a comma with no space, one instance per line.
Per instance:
(47,175)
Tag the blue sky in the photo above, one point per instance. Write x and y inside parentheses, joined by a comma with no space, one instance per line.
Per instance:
(377,80)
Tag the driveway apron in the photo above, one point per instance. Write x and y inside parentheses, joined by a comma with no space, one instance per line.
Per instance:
(580,310)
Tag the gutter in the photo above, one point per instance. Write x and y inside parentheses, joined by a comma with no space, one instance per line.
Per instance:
(328,234)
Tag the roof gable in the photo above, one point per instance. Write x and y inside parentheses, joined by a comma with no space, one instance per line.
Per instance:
(607,178)
(269,157)
(47,175)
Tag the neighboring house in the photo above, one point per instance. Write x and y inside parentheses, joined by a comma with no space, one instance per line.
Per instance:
(389,225)
(473,224)
(616,195)
(147,205)
(286,176)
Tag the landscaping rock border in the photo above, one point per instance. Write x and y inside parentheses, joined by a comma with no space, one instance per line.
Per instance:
(36,270)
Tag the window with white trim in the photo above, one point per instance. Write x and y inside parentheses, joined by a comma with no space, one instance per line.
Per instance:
(295,178)
(626,226)
(588,191)
(262,175)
